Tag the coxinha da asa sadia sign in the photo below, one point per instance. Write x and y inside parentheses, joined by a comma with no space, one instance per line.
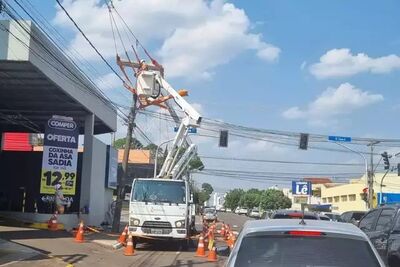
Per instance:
(60,155)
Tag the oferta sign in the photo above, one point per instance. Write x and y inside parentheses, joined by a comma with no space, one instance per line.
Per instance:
(60,155)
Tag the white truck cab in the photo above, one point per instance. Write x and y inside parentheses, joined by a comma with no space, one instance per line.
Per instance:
(158,208)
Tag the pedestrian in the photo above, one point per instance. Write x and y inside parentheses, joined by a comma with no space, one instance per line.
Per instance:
(60,199)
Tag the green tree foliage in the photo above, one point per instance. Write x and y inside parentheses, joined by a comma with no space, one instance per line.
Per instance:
(232,198)
(273,199)
(201,196)
(120,143)
(207,188)
(253,198)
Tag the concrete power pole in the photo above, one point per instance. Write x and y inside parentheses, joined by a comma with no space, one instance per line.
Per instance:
(371,177)
(121,179)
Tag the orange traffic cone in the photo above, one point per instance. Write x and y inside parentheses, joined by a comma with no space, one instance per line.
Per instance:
(80,238)
(200,252)
(129,250)
(52,224)
(222,230)
(122,237)
(212,255)
(232,241)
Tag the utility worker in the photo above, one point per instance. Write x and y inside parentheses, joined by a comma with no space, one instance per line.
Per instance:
(60,199)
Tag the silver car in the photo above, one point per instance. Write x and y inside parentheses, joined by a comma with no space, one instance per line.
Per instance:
(289,243)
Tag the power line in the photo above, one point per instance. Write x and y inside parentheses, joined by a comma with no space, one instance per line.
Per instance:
(279,161)
(87,39)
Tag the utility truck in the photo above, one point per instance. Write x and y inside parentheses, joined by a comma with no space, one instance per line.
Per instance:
(162,207)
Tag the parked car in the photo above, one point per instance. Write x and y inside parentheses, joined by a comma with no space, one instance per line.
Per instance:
(283,242)
(333,216)
(243,211)
(352,216)
(209,214)
(228,210)
(255,213)
(382,226)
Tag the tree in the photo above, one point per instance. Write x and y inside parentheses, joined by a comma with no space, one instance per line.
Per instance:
(232,198)
(120,143)
(250,199)
(273,199)
(207,188)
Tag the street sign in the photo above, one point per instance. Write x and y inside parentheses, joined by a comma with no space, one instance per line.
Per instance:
(339,138)
(191,130)
(301,188)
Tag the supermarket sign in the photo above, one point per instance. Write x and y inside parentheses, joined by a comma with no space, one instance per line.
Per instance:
(60,155)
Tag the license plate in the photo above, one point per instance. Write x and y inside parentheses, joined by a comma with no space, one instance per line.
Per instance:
(156,231)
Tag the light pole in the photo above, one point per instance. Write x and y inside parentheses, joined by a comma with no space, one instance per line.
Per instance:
(365,162)
(156,155)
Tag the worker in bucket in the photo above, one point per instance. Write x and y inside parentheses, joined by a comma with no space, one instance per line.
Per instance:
(60,200)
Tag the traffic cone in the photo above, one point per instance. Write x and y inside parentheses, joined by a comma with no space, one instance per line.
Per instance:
(80,238)
(233,240)
(52,224)
(222,233)
(129,250)
(122,237)
(200,252)
(212,255)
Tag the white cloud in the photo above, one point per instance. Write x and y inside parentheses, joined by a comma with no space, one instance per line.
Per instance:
(303,65)
(195,36)
(342,63)
(332,102)
(108,81)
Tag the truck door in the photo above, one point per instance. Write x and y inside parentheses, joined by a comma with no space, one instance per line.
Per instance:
(380,236)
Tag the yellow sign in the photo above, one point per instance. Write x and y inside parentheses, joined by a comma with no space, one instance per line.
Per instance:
(50,178)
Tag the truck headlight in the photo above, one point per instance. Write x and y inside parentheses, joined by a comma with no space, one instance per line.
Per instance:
(134,221)
(180,224)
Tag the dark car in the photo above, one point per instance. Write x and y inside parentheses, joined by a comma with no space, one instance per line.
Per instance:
(382,226)
(352,216)
(295,214)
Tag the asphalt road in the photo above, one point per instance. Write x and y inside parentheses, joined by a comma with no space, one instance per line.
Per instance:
(58,249)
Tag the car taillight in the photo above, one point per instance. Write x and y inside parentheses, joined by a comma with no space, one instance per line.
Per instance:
(306,233)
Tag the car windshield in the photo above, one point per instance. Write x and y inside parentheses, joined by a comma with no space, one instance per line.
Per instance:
(209,210)
(307,251)
(159,191)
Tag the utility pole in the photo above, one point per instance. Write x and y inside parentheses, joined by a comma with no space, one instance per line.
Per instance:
(371,177)
(121,179)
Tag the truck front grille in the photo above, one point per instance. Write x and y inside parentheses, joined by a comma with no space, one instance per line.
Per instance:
(155,227)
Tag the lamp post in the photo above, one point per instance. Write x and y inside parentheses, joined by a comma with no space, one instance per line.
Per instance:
(365,162)
(156,155)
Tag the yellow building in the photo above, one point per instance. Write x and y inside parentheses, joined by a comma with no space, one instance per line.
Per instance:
(347,197)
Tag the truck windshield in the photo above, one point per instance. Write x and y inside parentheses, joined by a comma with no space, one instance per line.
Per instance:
(159,191)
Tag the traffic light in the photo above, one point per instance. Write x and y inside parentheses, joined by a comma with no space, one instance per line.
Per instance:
(398,169)
(223,138)
(303,141)
(385,158)
(364,194)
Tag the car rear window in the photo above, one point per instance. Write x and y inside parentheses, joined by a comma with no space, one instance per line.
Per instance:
(294,216)
(304,251)
(357,215)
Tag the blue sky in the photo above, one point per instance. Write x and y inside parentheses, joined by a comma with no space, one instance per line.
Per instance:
(258,63)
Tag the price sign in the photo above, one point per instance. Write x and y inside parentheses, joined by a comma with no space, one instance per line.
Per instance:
(60,154)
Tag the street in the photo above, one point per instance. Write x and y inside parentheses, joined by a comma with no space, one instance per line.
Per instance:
(33,247)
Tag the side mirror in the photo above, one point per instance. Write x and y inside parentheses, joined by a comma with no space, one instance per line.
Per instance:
(223,251)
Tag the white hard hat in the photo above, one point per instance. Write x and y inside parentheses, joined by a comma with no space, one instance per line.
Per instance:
(142,61)
(57,186)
